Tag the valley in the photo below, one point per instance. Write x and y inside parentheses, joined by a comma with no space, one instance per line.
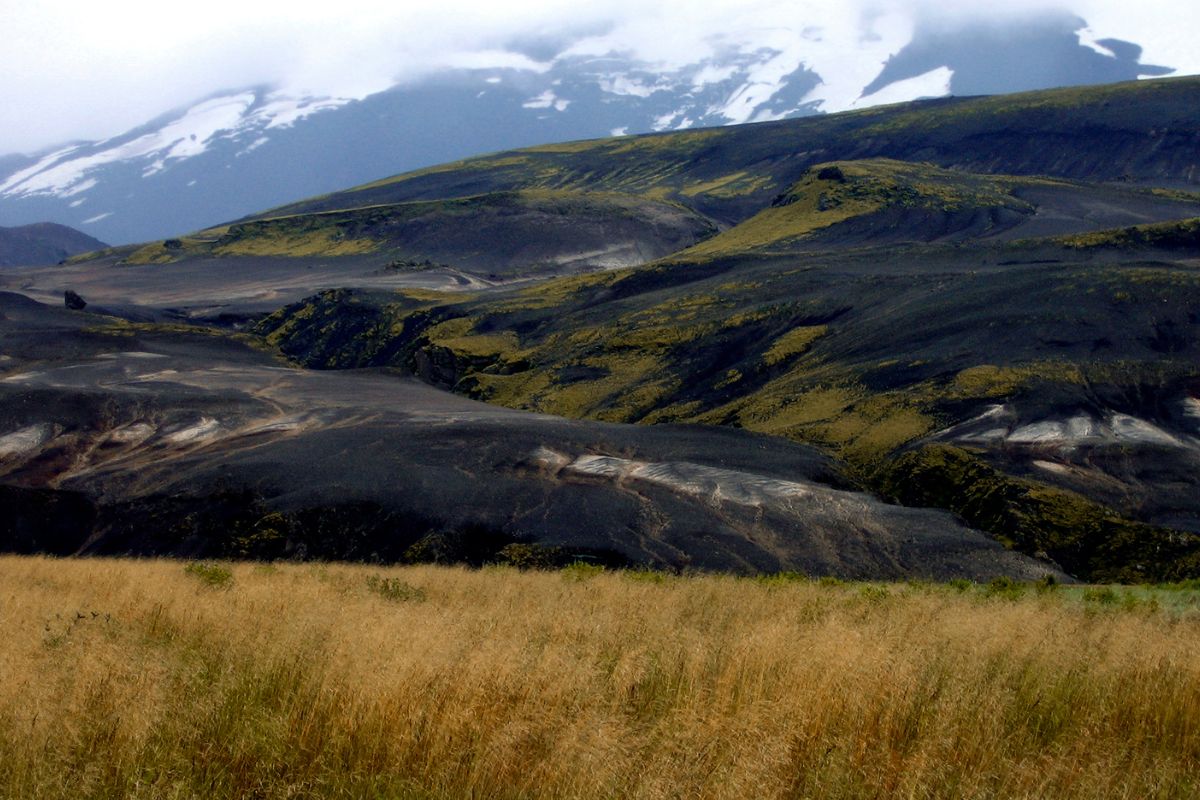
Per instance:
(952,338)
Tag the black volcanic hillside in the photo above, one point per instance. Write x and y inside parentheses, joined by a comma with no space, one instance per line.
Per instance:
(498,234)
(989,306)
(1144,132)
(43,243)
(1047,163)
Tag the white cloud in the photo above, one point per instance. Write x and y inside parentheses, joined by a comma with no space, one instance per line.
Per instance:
(1166,29)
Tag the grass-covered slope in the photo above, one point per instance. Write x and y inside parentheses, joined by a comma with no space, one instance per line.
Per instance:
(149,679)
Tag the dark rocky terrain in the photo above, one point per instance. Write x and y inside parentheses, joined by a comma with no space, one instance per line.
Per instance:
(824,328)
(150,440)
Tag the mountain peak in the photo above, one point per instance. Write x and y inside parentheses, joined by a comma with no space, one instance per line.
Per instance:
(240,150)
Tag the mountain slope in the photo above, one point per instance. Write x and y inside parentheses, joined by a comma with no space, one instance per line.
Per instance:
(1139,135)
(236,151)
(1144,133)
(43,243)
(152,440)
(530,231)
(954,303)
(974,340)
(1087,415)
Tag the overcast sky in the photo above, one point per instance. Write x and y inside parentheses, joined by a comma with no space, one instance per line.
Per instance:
(71,69)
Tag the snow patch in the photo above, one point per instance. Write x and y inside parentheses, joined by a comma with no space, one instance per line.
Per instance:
(23,175)
(1085,430)
(847,64)
(547,99)
(80,188)
(26,440)
(765,78)
(1039,433)
(257,143)
(666,120)
(281,111)
(1131,429)
(282,425)
(710,74)
(545,457)
(623,85)
(1090,39)
(185,137)
(935,83)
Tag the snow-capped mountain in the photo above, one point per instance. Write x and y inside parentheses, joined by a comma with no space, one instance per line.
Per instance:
(242,151)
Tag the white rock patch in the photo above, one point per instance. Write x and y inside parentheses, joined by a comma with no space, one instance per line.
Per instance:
(25,440)
(1131,429)
(206,428)
(713,484)
(132,434)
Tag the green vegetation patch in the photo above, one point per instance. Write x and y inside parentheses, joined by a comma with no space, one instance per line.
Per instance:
(1087,539)
(793,343)
(833,193)
(1167,235)
(216,576)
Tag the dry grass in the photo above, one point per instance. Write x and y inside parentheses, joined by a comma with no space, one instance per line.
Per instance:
(146,680)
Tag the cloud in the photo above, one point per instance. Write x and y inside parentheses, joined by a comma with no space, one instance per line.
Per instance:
(96,69)
(91,70)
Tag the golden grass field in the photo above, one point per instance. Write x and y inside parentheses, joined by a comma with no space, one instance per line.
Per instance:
(155,679)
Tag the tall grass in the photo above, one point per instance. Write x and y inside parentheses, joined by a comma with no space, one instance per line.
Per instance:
(137,679)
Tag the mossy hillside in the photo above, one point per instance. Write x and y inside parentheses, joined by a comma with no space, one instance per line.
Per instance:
(298,237)
(506,232)
(340,329)
(838,192)
(655,167)
(769,347)
(1128,103)
(863,354)
(1085,538)
(700,357)
(647,370)
(1140,131)
(1181,235)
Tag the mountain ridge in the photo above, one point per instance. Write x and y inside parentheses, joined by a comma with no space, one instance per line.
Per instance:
(231,153)
(43,243)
